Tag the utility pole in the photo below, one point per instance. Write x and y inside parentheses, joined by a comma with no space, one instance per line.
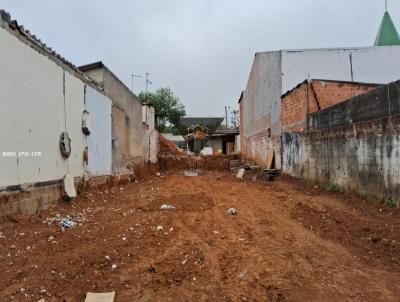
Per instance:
(134,76)
(226,115)
(148,81)
(385,5)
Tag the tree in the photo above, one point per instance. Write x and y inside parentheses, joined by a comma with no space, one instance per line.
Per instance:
(168,108)
(235,119)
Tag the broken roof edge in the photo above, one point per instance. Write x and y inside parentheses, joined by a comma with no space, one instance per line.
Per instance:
(32,41)
(100,64)
(325,49)
(241,97)
(329,81)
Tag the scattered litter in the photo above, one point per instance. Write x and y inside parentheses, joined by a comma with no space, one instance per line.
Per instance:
(159,228)
(191,173)
(107,258)
(79,218)
(216,232)
(67,223)
(167,207)
(51,238)
(240,173)
(269,177)
(232,212)
(100,297)
(158,174)
(114,266)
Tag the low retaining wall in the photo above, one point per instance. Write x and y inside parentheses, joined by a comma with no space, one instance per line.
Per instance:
(212,162)
(35,198)
(355,145)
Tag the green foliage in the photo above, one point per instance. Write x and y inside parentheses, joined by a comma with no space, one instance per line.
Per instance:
(235,119)
(171,129)
(390,202)
(364,195)
(168,108)
(331,187)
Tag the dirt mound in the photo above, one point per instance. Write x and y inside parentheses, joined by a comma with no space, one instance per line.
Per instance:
(168,147)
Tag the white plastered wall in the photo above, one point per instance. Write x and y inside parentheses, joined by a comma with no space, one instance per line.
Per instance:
(32,115)
(99,140)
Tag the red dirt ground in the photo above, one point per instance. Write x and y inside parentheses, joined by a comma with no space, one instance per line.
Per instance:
(288,243)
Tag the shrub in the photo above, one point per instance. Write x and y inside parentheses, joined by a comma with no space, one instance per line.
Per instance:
(331,187)
(390,202)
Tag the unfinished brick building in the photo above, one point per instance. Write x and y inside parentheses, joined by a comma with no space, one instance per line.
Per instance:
(314,95)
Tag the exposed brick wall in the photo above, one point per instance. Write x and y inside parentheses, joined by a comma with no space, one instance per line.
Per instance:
(308,98)
(38,198)
(211,162)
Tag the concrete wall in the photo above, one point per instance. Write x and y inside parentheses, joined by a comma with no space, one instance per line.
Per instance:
(99,140)
(274,73)
(148,116)
(151,145)
(369,65)
(127,129)
(260,108)
(353,144)
(35,109)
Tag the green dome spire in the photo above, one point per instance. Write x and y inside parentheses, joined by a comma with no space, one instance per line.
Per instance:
(387,34)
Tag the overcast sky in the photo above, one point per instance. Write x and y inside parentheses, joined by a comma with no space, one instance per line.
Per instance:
(202,49)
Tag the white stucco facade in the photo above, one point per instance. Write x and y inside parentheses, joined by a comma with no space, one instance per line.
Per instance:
(39,100)
(99,140)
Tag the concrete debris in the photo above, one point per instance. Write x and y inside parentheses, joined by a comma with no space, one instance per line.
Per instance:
(67,223)
(240,174)
(232,212)
(79,218)
(100,297)
(69,187)
(191,173)
(167,207)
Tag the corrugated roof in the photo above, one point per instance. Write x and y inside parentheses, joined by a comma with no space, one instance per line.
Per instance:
(212,123)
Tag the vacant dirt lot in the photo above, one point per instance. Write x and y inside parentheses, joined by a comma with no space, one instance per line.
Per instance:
(288,243)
